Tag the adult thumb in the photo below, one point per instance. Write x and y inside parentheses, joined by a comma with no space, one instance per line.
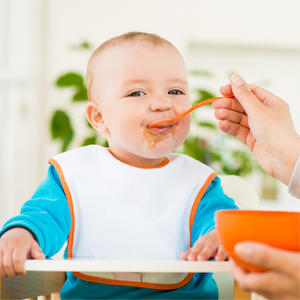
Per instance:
(243,94)
(266,256)
(36,252)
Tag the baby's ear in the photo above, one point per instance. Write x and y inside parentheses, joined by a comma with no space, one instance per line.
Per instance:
(94,116)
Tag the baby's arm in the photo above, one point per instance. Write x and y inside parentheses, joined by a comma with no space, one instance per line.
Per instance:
(205,243)
(44,223)
(16,245)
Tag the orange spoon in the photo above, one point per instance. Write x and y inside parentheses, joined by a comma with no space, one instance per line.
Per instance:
(171,121)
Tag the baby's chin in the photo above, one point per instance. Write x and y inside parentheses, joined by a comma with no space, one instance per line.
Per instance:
(159,149)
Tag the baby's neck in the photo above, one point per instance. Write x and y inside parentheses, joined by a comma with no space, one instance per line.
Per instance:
(137,161)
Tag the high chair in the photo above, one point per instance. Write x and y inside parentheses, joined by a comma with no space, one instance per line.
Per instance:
(47,284)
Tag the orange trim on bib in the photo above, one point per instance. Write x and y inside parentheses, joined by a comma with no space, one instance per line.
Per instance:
(198,198)
(148,285)
(158,286)
(165,162)
(70,202)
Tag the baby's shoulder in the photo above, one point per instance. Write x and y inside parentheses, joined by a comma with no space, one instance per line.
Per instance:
(189,162)
(82,152)
(81,157)
(185,158)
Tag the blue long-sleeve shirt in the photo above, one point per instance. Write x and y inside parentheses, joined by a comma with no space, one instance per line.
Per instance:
(47,216)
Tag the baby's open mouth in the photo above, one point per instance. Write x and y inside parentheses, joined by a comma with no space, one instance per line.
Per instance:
(157,134)
(160,130)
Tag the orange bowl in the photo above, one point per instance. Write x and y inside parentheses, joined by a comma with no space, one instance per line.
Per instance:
(279,229)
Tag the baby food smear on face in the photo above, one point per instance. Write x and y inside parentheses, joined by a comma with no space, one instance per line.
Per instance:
(155,135)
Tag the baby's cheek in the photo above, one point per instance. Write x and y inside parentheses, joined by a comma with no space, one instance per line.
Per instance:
(131,134)
(127,128)
(184,128)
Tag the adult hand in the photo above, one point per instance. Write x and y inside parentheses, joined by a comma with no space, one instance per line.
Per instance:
(280,282)
(262,121)
(16,245)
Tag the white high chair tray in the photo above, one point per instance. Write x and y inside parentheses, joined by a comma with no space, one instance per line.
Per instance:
(98,265)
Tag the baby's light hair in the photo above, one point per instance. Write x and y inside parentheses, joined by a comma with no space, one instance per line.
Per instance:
(130,37)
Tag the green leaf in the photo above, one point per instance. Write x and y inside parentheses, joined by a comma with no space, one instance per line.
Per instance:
(86,45)
(89,124)
(196,148)
(83,46)
(105,144)
(241,164)
(200,73)
(81,95)
(208,125)
(203,95)
(90,141)
(61,128)
(216,156)
(70,79)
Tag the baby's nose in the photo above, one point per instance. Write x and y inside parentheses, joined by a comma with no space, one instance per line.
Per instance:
(160,104)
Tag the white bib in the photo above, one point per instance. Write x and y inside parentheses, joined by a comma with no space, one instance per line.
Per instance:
(124,212)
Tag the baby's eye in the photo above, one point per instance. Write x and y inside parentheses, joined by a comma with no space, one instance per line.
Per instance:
(175,92)
(137,94)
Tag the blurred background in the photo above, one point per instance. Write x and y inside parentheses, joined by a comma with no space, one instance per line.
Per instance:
(44,50)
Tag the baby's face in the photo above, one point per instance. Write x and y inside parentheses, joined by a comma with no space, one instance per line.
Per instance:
(138,84)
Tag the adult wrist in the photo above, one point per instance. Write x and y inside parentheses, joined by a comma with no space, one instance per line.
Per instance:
(294,184)
(285,160)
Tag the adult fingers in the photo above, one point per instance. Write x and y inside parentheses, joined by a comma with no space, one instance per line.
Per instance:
(244,95)
(240,132)
(245,280)
(268,257)
(226,90)
(237,271)
(253,98)
(8,265)
(263,95)
(272,285)
(232,116)
(228,103)
(259,92)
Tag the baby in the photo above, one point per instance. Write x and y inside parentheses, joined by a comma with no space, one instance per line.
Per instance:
(134,200)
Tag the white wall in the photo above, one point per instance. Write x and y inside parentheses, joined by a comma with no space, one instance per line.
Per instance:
(259,22)
(23,101)
(36,37)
